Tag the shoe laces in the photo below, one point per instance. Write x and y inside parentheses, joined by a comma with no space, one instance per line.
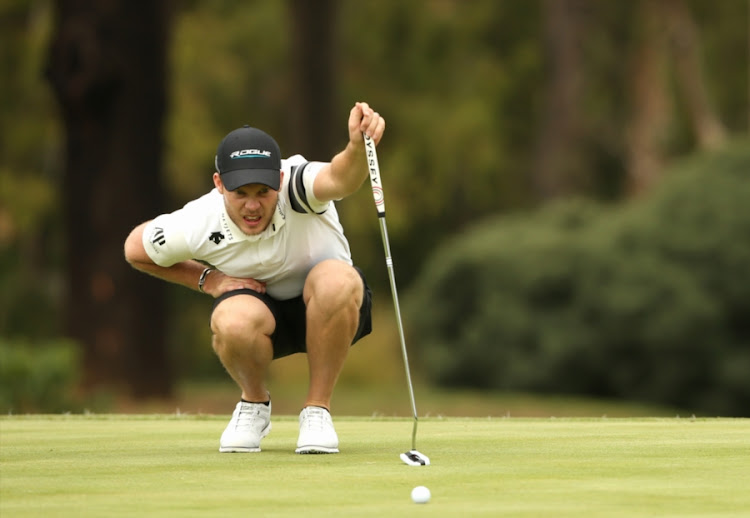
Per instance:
(248,415)
(316,418)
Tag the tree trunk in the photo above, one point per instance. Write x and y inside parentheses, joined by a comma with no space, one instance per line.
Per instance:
(648,127)
(558,163)
(667,30)
(709,131)
(107,68)
(317,131)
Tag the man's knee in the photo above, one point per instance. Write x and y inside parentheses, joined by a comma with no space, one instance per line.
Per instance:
(334,282)
(241,319)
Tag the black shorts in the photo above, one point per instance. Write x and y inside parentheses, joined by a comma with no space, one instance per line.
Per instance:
(291,321)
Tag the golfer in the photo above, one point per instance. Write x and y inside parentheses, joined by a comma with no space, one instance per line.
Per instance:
(267,244)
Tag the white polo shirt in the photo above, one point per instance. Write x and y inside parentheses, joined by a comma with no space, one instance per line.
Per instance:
(281,256)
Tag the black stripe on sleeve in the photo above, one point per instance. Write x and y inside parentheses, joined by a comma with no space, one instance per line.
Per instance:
(298,193)
(296,205)
(300,190)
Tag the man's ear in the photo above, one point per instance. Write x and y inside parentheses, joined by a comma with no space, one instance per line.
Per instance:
(218,183)
(281,179)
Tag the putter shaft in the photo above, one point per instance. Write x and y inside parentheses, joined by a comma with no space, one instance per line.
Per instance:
(392,278)
(379,198)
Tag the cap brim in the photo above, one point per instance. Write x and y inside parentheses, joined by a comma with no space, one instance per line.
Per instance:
(235,179)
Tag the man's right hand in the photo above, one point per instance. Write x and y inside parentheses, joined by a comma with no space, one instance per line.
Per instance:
(218,283)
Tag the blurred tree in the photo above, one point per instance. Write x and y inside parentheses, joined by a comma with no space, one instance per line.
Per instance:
(558,162)
(688,59)
(229,66)
(458,84)
(646,300)
(107,68)
(29,154)
(466,92)
(667,39)
(314,128)
(462,84)
(651,110)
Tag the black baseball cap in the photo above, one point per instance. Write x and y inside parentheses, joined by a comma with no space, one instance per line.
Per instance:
(249,155)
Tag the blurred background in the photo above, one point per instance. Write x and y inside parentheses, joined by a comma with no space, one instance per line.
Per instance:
(567,184)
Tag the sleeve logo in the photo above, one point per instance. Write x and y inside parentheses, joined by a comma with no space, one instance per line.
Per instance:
(157,236)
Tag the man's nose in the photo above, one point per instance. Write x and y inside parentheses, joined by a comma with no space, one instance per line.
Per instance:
(252,204)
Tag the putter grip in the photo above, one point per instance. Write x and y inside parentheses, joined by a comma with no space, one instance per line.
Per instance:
(374,169)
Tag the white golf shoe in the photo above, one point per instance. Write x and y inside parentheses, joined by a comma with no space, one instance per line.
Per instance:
(316,432)
(249,424)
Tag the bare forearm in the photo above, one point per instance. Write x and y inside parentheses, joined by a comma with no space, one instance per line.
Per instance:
(349,169)
(186,273)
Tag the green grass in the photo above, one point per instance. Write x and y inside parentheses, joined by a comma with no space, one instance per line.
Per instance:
(168,465)
(392,400)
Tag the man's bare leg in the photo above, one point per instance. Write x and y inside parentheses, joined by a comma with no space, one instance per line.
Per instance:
(242,326)
(333,295)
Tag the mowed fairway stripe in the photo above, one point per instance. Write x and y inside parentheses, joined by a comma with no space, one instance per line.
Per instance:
(170,466)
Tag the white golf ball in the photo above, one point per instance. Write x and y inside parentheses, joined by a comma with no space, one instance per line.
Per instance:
(420,495)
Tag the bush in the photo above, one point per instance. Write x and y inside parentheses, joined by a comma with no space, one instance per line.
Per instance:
(647,301)
(38,377)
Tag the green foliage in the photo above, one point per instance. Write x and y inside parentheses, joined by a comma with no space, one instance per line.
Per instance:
(648,301)
(459,83)
(229,68)
(38,377)
(29,167)
(731,40)
(189,337)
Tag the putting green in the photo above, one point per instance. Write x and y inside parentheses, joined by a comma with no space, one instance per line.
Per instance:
(157,465)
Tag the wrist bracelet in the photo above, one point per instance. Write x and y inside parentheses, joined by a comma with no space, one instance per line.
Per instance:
(202,279)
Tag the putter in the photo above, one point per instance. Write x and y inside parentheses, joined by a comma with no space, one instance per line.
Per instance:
(411,457)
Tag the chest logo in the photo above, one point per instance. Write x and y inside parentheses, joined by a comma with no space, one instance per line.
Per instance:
(216,237)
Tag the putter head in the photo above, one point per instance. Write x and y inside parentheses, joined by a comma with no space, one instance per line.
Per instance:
(414,458)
